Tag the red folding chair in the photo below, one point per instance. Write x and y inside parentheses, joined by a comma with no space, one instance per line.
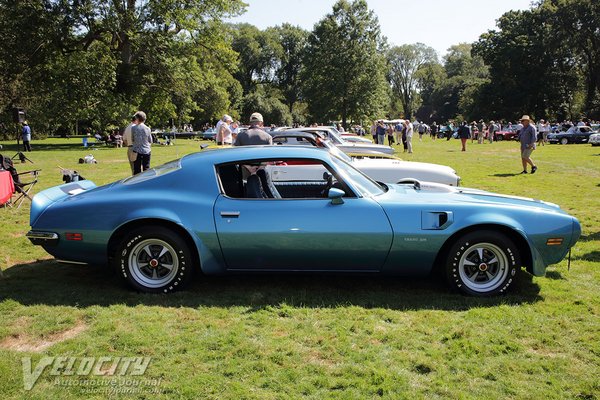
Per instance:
(7,188)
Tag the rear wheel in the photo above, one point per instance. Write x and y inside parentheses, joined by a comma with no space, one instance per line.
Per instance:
(499,138)
(155,259)
(482,263)
(564,140)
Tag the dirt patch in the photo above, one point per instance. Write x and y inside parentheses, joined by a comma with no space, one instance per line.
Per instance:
(27,344)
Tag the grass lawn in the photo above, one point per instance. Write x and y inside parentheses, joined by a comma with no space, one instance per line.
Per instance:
(312,336)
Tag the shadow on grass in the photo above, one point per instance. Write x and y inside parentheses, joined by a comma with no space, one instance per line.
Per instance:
(554,275)
(505,175)
(593,256)
(590,237)
(50,283)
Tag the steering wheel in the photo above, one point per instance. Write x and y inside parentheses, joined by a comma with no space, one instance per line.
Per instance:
(329,178)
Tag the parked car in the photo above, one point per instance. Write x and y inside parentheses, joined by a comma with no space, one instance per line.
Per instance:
(575,134)
(392,170)
(196,214)
(356,139)
(209,134)
(594,139)
(506,134)
(348,147)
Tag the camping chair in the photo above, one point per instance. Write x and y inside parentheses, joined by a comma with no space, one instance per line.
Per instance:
(21,189)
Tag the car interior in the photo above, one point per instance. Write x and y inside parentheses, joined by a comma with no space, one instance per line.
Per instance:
(252,180)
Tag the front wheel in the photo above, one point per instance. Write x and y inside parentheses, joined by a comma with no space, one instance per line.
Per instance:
(499,138)
(482,263)
(155,259)
(564,140)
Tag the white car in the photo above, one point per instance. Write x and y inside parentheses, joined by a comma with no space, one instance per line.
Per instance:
(365,146)
(388,170)
(594,139)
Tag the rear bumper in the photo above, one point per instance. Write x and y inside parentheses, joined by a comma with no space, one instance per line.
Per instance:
(43,238)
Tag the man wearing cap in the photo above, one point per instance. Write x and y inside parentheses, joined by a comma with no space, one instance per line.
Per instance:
(527,137)
(255,135)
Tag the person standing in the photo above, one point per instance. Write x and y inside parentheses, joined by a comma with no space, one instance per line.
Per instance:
(409,135)
(142,143)
(464,133)
(26,136)
(223,130)
(543,129)
(390,134)
(434,130)
(128,142)
(492,129)
(527,137)
(255,135)
(481,128)
(235,129)
(374,131)
(398,132)
(380,132)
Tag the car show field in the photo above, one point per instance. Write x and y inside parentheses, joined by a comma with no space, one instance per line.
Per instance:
(314,336)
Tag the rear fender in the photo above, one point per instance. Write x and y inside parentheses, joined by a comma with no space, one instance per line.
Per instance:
(46,198)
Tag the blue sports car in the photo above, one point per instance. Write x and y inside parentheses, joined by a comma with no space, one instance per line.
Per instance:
(218,212)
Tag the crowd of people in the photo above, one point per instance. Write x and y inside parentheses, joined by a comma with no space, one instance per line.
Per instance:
(138,138)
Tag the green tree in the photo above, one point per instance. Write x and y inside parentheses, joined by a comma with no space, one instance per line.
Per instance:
(292,40)
(344,67)
(157,55)
(530,70)
(404,62)
(574,28)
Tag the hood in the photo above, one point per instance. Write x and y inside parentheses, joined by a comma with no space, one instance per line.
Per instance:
(470,195)
(405,165)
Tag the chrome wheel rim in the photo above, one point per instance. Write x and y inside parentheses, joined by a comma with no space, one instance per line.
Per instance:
(483,267)
(153,263)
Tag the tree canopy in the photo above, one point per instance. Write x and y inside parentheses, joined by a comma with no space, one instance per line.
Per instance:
(91,63)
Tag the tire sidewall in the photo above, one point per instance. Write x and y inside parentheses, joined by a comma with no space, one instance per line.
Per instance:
(464,243)
(183,254)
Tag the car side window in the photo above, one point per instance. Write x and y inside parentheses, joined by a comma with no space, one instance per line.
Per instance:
(279,179)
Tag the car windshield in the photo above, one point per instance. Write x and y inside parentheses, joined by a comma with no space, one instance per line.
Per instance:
(365,185)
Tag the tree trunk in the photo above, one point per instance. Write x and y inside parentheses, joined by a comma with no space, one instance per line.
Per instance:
(124,83)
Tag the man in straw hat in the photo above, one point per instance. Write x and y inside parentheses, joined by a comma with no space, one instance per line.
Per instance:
(528,138)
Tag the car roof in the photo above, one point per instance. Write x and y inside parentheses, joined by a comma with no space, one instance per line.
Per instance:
(218,156)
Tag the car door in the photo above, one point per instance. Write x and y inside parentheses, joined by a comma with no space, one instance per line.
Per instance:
(302,234)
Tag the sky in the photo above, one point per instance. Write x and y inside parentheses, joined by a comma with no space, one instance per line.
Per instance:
(436,23)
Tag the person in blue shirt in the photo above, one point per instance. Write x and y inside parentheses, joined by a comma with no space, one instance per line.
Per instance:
(26,136)
(528,138)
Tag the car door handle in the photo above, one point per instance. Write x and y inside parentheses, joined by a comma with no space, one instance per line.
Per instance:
(230,214)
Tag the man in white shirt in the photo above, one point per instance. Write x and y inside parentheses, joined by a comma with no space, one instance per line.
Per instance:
(224,135)
(409,135)
(128,142)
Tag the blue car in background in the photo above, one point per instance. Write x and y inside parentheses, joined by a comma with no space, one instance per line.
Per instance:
(209,134)
(217,212)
